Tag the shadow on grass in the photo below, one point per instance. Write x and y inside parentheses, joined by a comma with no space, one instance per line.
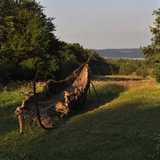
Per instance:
(105,94)
(132,127)
(128,132)
(8,120)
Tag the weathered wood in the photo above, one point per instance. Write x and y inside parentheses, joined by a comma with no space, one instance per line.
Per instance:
(57,97)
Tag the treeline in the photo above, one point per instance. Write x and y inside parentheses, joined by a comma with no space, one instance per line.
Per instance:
(29,48)
(130,67)
(151,65)
(152,51)
(28,45)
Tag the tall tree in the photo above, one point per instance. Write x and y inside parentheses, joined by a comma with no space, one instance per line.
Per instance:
(26,34)
(152,51)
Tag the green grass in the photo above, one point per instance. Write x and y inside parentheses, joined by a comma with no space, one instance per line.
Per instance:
(122,125)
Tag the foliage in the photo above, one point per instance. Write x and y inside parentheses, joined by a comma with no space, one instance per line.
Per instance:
(152,51)
(26,35)
(28,43)
(27,32)
(99,65)
(128,67)
(157,72)
(70,56)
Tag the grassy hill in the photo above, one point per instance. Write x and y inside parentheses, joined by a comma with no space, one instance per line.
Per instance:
(123,124)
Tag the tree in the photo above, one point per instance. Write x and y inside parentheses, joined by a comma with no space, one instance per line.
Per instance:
(69,57)
(152,51)
(26,34)
(28,43)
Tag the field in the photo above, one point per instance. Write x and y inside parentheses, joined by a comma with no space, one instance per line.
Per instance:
(121,124)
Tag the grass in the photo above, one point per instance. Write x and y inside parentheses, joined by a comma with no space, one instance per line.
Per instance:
(122,125)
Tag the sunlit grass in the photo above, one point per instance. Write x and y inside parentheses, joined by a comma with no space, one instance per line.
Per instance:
(122,125)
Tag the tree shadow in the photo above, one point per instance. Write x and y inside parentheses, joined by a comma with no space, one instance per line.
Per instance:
(8,120)
(135,125)
(105,94)
(130,131)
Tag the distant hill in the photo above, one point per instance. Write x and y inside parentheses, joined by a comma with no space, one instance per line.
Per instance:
(121,53)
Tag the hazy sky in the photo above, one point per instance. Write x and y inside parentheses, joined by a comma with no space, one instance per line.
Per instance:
(103,23)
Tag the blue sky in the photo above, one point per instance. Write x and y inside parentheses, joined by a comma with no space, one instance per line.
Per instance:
(103,23)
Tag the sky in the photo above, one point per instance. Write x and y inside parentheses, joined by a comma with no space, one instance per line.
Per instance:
(101,24)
